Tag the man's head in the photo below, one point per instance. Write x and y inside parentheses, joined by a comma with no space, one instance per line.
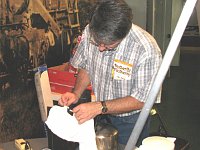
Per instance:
(110,23)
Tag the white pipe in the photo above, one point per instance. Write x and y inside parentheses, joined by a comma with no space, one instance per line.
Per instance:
(153,18)
(174,42)
(198,14)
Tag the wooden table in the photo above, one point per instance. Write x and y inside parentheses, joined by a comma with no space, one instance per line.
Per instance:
(36,144)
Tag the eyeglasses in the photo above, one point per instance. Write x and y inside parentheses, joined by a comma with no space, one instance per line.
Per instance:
(103,47)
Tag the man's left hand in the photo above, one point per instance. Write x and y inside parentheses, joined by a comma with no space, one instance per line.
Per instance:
(87,111)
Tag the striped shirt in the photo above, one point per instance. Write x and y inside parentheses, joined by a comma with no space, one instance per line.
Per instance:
(137,57)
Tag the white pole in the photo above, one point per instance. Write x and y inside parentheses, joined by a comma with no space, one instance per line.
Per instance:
(180,27)
(153,18)
(198,14)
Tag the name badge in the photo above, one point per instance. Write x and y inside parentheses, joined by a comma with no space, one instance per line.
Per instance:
(121,70)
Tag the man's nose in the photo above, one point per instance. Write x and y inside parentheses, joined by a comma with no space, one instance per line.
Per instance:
(102,47)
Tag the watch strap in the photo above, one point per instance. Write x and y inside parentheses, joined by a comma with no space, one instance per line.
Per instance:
(104,108)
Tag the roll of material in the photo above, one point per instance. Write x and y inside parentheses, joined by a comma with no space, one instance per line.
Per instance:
(157,143)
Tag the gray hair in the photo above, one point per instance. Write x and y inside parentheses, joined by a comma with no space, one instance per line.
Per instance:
(111,21)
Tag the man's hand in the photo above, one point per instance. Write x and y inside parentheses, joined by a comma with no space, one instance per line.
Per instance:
(67,99)
(87,111)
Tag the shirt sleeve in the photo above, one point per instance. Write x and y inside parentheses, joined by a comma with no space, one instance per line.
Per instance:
(79,59)
(144,77)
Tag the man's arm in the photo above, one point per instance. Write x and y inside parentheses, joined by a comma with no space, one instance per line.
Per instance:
(86,111)
(82,82)
(123,105)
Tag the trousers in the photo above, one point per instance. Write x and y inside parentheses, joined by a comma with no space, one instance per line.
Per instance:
(125,126)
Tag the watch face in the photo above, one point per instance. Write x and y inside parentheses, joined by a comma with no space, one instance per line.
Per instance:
(104,109)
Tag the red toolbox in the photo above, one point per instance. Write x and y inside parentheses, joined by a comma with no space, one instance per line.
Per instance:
(62,78)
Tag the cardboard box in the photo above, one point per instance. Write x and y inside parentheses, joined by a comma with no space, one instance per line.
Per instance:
(62,78)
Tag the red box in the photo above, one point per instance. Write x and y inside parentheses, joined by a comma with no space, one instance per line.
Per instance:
(62,78)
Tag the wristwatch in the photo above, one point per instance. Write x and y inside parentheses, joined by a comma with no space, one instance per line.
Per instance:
(104,108)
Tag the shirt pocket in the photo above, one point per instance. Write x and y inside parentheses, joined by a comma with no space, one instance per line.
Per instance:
(121,88)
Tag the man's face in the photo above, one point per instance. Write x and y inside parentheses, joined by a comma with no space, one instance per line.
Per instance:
(103,47)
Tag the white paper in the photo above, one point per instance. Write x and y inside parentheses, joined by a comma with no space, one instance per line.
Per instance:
(65,126)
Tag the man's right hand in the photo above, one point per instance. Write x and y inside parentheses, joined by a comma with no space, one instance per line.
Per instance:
(67,99)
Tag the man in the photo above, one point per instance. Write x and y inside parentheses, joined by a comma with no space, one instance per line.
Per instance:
(120,60)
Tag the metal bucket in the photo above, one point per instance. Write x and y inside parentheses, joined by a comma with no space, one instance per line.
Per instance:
(106,137)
